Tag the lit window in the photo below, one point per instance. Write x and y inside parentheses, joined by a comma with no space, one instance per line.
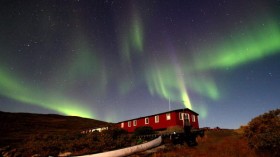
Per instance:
(156,119)
(146,120)
(134,122)
(129,123)
(168,117)
(193,118)
(122,125)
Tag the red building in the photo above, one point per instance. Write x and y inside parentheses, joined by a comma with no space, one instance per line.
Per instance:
(163,120)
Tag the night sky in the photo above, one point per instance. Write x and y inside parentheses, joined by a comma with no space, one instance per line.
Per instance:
(115,60)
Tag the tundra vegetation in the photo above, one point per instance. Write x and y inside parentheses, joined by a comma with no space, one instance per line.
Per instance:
(76,143)
(263,133)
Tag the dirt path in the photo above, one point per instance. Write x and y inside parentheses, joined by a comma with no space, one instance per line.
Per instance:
(222,143)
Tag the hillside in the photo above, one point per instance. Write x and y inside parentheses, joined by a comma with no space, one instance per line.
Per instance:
(15,127)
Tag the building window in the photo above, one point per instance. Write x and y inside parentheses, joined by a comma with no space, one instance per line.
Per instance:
(181,115)
(146,120)
(134,122)
(193,118)
(187,117)
(168,116)
(122,125)
(156,119)
(129,123)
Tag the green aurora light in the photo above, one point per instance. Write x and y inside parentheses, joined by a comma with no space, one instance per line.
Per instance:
(171,82)
(255,44)
(12,88)
(83,64)
(204,86)
(166,79)
(163,81)
(132,39)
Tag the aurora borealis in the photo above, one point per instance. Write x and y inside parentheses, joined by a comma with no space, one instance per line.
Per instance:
(116,60)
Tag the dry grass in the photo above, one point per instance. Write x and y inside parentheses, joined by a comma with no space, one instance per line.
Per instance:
(223,143)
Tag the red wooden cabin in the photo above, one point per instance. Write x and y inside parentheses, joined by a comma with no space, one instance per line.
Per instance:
(163,120)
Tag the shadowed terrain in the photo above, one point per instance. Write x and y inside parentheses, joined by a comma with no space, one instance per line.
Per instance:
(16,127)
(39,134)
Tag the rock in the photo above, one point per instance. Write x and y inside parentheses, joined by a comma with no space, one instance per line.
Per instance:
(64,154)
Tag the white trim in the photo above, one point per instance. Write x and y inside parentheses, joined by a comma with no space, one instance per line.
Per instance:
(134,122)
(129,123)
(122,124)
(181,116)
(157,119)
(193,118)
(147,120)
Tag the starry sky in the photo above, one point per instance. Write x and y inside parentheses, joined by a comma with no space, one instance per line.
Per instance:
(115,60)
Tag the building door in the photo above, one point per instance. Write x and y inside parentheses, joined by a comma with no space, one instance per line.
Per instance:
(186,119)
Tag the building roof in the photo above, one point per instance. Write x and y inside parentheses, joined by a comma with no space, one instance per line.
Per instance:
(177,110)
